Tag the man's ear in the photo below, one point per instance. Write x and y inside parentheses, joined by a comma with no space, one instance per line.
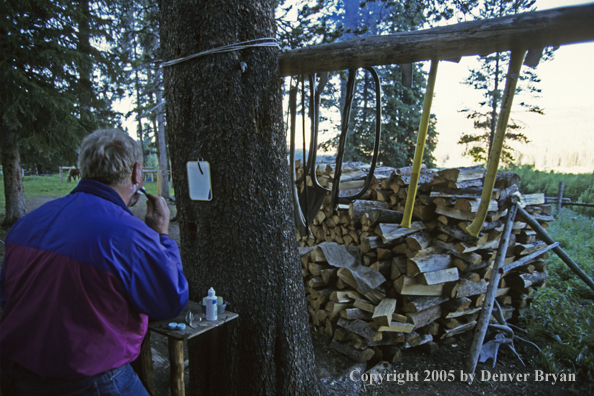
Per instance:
(137,173)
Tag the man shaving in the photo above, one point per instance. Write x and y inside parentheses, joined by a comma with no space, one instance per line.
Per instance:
(81,277)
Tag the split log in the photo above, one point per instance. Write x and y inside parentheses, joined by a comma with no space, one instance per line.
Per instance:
(427,263)
(470,258)
(383,312)
(347,296)
(375,296)
(361,328)
(329,275)
(458,330)
(421,303)
(399,267)
(418,340)
(316,281)
(377,216)
(533,199)
(455,213)
(469,311)
(527,280)
(522,250)
(424,212)
(440,276)
(412,340)
(347,277)
(358,208)
(341,334)
(384,267)
(396,317)
(364,306)
(334,308)
(418,241)
(392,232)
(397,327)
(461,235)
(409,286)
(317,255)
(423,318)
(355,313)
(463,248)
(456,304)
(351,352)
(432,328)
(465,288)
(462,174)
(472,205)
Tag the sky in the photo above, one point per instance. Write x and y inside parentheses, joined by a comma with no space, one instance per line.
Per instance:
(567,98)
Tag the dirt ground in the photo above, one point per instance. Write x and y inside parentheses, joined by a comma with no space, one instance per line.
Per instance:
(419,372)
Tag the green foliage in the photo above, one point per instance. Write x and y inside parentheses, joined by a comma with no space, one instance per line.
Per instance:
(50,95)
(567,322)
(535,181)
(324,21)
(587,197)
(489,78)
(575,234)
(564,311)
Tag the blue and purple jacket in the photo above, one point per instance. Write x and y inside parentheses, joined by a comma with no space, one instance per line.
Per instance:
(80,279)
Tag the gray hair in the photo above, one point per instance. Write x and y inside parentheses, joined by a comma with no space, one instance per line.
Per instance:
(108,156)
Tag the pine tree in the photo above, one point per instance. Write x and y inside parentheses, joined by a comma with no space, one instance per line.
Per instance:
(489,77)
(48,101)
(401,106)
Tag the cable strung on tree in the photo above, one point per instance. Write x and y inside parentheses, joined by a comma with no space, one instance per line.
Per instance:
(261,42)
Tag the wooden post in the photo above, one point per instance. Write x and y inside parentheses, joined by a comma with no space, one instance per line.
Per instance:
(143,365)
(176,368)
(61,176)
(485,316)
(159,183)
(560,196)
(560,252)
(534,29)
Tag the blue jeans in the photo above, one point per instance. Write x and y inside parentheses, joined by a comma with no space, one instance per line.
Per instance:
(123,381)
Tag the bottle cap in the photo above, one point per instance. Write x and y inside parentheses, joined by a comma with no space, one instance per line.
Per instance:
(172,325)
(211,292)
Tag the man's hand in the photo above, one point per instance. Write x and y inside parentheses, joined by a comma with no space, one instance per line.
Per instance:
(157,214)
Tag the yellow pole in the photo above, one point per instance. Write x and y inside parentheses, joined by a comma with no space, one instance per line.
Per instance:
(414,180)
(515,64)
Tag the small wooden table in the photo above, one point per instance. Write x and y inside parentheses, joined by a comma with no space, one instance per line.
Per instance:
(175,340)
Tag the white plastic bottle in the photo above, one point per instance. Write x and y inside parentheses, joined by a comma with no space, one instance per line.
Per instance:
(211,305)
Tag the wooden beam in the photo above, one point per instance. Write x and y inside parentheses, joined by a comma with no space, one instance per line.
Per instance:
(523,31)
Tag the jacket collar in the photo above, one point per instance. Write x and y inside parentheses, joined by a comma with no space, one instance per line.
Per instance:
(101,190)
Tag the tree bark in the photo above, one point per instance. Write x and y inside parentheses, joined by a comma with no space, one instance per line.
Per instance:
(13,180)
(243,241)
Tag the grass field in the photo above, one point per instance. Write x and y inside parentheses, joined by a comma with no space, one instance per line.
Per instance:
(50,187)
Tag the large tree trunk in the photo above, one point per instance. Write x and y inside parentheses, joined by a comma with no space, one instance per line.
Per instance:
(243,242)
(13,180)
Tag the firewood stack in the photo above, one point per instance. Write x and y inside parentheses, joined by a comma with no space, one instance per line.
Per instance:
(434,275)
